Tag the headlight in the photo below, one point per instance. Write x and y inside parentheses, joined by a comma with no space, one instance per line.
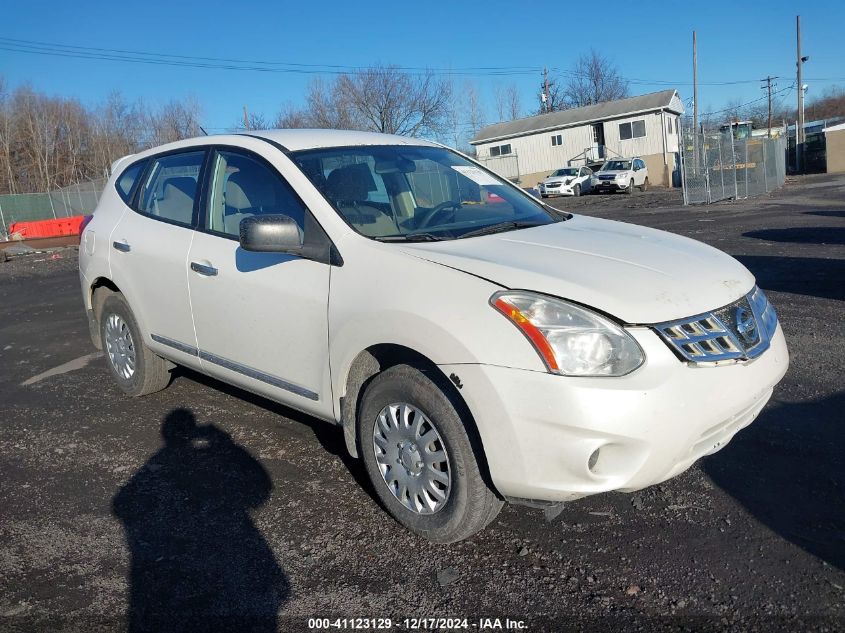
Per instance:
(571,340)
(621,176)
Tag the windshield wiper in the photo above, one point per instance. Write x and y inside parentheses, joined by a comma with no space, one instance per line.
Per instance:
(500,227)
(410,237)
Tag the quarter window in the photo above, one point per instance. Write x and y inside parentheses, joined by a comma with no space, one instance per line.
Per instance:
(242,186)
(127,180)
(171,188)
(557,139)
(633,129)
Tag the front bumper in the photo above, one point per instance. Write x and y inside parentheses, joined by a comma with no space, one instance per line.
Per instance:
(540,430)
(563,190)
(610,185)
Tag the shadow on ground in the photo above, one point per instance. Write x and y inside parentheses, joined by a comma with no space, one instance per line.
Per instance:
(198,562)
(827,214)
(834,235)
(798,489)
(328,435)
(811,276)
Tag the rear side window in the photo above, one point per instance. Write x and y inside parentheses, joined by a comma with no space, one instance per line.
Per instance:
(172,187)
(127,180)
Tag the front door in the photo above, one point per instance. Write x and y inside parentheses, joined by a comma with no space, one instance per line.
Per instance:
(260,318)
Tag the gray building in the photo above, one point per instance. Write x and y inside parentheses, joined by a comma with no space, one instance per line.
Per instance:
(527,150)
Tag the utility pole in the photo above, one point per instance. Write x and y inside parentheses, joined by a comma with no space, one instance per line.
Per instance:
(246,119)
(545,90)
(695,97)
(799,129)
(769,86)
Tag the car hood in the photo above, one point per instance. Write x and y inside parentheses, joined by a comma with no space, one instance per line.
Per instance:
(637,274)
(558,180)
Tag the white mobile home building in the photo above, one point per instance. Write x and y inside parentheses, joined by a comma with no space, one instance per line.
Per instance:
(527,150)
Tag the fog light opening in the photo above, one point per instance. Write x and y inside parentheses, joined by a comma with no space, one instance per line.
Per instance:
(593,460)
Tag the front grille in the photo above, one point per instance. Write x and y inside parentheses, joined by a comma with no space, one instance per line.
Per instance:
(740,330)
(607,177)
(553,185)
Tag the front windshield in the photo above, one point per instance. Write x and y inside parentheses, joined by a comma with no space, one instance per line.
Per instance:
(399,191)
(616,165)
(569,171)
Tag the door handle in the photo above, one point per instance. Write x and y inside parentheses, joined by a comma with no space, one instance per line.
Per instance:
(203,269)
(123,247)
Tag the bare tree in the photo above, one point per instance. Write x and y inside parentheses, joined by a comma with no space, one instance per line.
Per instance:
(514,105)
(48,142)
(508,105)
(387,100)
(594,79)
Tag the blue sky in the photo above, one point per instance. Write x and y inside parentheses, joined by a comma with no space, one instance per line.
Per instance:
(649,41)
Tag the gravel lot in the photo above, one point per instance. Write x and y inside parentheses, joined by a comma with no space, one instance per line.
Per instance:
(265,522)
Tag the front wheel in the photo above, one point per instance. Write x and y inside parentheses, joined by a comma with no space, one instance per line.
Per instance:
(421,459)
(644,186)
(135,368)
(576,190)
(630,188)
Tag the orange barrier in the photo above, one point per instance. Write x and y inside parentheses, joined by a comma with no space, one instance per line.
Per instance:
(47,228)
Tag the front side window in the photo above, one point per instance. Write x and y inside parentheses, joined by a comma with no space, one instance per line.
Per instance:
(243,186)
(427,191)
(171,188)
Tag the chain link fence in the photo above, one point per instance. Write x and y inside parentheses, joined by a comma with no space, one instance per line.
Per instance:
(718,166)
(78,199)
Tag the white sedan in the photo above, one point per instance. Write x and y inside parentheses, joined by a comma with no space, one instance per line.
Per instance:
(568,181)
(472,344)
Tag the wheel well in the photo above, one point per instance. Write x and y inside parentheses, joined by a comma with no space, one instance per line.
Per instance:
(100,290)
(376,359)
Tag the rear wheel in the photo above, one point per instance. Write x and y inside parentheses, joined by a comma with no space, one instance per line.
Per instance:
(421,459)
(644,186)
(630,188)
(576,190)
(136,369)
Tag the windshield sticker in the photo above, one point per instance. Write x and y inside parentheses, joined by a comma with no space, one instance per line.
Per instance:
(476,175)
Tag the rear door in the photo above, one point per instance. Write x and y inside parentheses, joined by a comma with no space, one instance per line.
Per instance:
(260,318)
(149,247)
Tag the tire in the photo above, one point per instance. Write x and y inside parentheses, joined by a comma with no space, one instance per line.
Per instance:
(645,184)
(467,504)
(147,372)
(630,189)
(576,190)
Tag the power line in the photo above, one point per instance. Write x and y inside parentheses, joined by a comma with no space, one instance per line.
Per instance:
(35,47)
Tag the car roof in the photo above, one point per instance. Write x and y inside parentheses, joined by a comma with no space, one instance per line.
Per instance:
(309,139)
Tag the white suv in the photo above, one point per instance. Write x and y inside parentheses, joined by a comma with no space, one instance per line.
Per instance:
(622,174)
(473,344)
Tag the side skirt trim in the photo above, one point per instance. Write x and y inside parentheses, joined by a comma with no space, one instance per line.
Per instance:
(238,368)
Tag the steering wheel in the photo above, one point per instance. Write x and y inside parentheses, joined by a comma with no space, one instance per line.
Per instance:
(426,219)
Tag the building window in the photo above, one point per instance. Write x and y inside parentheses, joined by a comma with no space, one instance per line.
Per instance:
(500,150)
(634,129)
(557,139)
(669,125)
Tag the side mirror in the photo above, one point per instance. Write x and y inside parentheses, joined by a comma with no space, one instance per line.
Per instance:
(271,234)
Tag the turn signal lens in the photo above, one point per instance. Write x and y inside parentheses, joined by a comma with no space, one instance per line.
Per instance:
(570,339)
